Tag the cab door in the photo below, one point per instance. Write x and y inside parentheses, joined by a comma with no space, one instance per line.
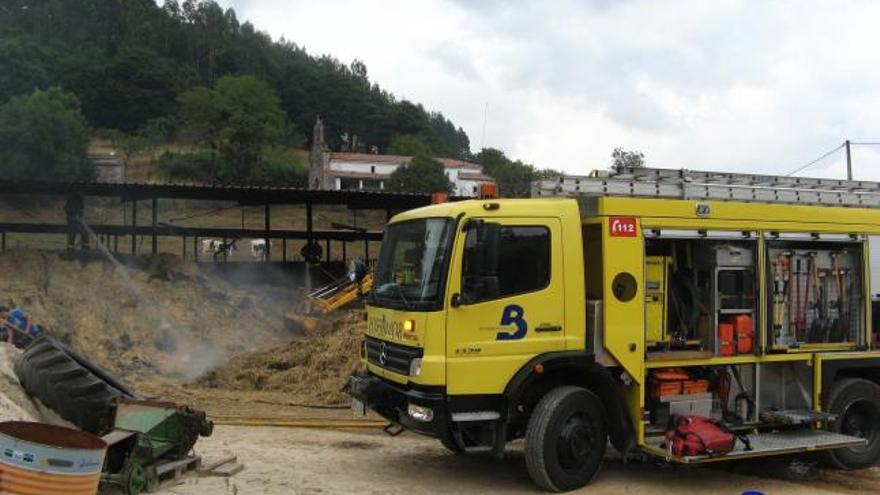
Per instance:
(506,301)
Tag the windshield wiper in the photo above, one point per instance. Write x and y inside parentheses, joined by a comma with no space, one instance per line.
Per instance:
(402,297)
(383,292)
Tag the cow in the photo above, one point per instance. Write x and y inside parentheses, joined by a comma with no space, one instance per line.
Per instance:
(259,248)
(217,248)
(209,246)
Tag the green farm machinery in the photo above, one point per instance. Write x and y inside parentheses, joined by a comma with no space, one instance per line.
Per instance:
(148,440)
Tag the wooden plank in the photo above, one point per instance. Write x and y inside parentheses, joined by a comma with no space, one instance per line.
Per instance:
(183,464)
(228,470)
(219,462)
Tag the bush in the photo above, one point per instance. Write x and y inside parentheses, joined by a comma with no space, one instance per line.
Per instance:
(277,167)
(44,136)
(199,166)
(423,174)
(280,167)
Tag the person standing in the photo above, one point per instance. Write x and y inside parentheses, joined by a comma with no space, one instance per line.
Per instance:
(73,209)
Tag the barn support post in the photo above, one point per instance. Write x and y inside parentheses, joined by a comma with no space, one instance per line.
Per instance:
(196,248)
(309,221)
(134,215)
(366,250)
(344,257)
(268,250)
(308,266)
(155,219)
(327,256)
(183,245)
(284,249)
(3,241)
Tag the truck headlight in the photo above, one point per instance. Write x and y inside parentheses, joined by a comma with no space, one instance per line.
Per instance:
(415,367)
(420,413)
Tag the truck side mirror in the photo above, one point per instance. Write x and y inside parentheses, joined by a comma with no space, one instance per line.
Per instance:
(479,278)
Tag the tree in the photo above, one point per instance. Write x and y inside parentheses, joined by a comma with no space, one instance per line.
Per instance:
(408,145)
(25,67)
(128,60)
(239,119)
(423,174)
(621,158)
(514,178)
(125,90)
(43,136)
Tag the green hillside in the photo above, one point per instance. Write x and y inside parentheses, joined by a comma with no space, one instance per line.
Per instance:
(128,61)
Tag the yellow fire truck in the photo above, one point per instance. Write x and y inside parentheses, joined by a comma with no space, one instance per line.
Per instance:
(606,306)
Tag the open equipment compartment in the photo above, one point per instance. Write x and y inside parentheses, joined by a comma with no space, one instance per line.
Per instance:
(700,296)
(725,393)
(815,294)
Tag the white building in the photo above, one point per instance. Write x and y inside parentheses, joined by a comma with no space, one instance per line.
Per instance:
(366,171)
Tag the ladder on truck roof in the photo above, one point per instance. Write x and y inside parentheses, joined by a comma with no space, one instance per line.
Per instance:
(716,186)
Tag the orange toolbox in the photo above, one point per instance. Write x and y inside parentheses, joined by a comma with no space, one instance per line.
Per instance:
(695,387)
(668,382)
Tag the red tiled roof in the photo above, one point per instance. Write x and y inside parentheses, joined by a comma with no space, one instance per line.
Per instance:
(397,159)
(369,157)
(453,163)
(480,177)
(358,175)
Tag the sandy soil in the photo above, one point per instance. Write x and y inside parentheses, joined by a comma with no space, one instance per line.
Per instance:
(300,461)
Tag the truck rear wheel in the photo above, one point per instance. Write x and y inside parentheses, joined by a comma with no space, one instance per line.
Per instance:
(566,439)
(856,402)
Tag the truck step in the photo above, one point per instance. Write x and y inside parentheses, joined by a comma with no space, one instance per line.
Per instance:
(770,443)
(796,416)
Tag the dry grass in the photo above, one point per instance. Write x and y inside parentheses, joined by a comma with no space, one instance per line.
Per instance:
(312,369)
(166,321)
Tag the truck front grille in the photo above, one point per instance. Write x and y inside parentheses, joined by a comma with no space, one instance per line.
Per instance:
(391,356)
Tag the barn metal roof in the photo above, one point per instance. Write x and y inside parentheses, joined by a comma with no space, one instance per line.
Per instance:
(255,195)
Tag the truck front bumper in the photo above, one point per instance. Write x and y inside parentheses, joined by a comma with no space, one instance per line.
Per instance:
(392,401)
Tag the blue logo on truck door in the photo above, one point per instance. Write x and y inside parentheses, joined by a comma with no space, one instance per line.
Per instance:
(513,315)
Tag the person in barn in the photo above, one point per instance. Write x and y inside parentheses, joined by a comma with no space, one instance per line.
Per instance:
(73,210)
(17,329)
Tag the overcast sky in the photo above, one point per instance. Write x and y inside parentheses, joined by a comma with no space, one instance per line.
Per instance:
(725,85)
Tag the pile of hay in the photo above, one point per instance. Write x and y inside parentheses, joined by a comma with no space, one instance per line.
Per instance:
(312,369)
(160,319)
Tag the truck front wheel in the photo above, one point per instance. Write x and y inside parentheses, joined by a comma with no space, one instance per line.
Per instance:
(566,439)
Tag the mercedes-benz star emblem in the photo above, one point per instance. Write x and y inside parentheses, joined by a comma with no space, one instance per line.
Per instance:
(383,354)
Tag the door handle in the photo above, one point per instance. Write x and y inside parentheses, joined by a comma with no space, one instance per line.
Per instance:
(547,327)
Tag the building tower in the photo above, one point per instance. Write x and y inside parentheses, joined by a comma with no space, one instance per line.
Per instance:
(319,158)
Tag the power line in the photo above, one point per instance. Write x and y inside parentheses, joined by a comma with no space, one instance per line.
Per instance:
(817,160)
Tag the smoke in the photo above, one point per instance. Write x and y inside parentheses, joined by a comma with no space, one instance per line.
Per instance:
(263,301)
(191,357)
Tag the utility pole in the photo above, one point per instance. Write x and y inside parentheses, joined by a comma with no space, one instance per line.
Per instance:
(848,162)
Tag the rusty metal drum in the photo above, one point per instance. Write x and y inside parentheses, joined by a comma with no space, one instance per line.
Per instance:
(38,459)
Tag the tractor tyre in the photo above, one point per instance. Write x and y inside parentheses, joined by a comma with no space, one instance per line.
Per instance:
(73,387)
(856,402)
(566,439)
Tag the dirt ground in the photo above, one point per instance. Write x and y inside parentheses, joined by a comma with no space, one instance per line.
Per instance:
(311,461)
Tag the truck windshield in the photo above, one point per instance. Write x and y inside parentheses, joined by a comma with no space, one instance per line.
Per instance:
(411,269)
